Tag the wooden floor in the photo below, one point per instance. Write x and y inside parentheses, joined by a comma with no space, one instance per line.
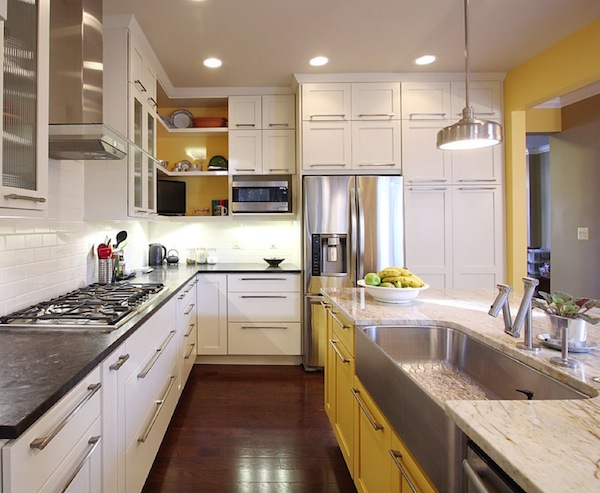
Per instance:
(250,429)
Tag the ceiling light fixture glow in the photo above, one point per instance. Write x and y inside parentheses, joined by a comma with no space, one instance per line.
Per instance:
(212,62)
(425,60)
(319,61)
(469,132)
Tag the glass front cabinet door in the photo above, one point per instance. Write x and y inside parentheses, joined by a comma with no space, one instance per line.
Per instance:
(24,82)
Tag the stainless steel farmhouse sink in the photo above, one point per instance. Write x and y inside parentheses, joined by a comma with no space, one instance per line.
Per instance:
(411,371)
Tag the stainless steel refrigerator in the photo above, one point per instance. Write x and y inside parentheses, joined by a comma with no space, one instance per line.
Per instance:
(351,225)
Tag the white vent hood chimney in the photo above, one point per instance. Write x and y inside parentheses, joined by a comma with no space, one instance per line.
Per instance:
(77,129)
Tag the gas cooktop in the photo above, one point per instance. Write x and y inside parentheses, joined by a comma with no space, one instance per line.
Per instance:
(98,306)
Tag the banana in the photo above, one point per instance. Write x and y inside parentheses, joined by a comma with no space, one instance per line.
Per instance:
(390,272)
(392,278)
(410,282)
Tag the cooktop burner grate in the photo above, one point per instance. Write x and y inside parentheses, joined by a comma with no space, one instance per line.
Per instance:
(98,305)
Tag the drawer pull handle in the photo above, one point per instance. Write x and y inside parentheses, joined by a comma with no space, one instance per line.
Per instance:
(42,442)
(121,361)
(481,180)
(334,115)
(159,403)
(279,125)
(317,165)
(339,322)
(343,359)
(441,115)
(246,296)
(92,444)
(474,479)
(190,309)
(16,196)
(284,327)
(192,346)
(157,354)
(245,124)
(389,115)
(377,426)
(366,165)
(263,279)
(395,456)
(190,331)
(425,180)
(427,189)
(477,188)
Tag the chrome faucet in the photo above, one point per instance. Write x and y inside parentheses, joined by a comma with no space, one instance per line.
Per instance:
(523,316)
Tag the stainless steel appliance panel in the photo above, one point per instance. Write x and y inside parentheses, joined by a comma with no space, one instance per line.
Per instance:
(380,223)
(351,225)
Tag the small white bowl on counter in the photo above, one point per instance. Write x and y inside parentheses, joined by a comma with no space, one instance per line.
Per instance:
(392,295)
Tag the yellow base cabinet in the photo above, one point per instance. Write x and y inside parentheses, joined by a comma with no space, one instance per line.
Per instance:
(372,442)
(407,476)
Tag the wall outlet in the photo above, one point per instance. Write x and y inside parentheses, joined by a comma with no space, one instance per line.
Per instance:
(583,233)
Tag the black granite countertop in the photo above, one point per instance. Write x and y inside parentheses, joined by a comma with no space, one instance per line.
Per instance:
(38,367)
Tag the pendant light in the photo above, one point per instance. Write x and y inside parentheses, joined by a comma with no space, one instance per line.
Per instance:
(469,132)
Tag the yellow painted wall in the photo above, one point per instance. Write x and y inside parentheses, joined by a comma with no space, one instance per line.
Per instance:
(571,64)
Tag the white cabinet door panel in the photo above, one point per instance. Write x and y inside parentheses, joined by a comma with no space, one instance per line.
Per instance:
(484,96)
(265,283)
(245,151)
(265,338)
(263,307)
(428,217)
(279,151)
(376,101)
(279,112)
(426,101)
(478,238)
(478,165)
(422,161)
(212,313)
(376,145)
(326,145)
(245,112)
(321,102)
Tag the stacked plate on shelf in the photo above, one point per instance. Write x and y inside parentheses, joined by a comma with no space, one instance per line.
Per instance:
(209,122)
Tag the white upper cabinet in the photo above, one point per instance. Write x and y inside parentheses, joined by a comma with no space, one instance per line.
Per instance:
(422,161)
(142,76)
(376,145)
(326,102)
(376,101)
(326,146)
(484,96)
(477,165)
(279,112)
(245,112)
(426,101)
(245,151)
(24,128)
(279,152)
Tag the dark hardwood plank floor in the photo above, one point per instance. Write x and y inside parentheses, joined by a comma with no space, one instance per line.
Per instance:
(250,429)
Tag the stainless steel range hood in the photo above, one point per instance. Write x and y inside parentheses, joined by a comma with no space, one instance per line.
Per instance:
(77,129)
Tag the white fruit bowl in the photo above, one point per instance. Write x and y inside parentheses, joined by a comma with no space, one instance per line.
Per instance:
(392,295)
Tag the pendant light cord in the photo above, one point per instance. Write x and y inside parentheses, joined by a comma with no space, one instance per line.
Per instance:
(467,54)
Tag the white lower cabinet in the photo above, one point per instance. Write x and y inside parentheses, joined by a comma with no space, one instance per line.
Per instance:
(186,313)
(212,314)
(249,314)
(62,451)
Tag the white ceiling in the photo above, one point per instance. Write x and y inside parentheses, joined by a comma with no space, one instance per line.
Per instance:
(264,42)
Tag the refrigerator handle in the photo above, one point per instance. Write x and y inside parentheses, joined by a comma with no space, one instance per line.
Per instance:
(359,234)
(355,260)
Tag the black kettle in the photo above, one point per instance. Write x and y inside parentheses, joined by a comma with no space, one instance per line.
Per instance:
(156,254)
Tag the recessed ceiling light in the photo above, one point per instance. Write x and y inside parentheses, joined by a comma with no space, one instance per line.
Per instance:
(425,60)
(212,62)
(319,61)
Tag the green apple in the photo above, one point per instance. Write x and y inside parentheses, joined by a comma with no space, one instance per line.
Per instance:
(372,279)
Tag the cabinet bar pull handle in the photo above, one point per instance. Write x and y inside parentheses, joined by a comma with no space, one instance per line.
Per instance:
(280,169)
(398,455)
(487,180)
(245,125)
(279,124)
(473,478)
(327,164)
(477,188)
(390,115)
(190,331)
(261,296)
(419,189)
(192,345)
(157,354)
(425,180)
(340,323)
(484,113)
(263,279)
(343,359)
(377,164)
(121,361)
(153,102)
(159,404)
(139,83)
(441,115)
(377,426)
(92,444)
(16,196)
(42,442)
(245,169)
(190,309)
(283,327)
(338,115)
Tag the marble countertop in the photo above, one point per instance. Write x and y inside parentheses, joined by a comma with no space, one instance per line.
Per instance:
(546,446)
(38,367)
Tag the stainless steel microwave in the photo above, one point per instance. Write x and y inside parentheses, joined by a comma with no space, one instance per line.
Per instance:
(261,193)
